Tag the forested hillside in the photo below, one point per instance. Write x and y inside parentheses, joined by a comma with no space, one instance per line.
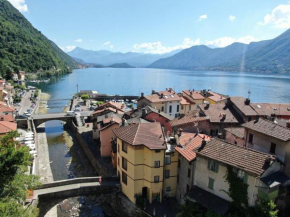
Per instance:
(22,47)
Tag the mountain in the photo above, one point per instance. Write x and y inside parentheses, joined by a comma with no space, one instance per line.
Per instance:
(22,47)
(264,56)
(120,65)
(105,57)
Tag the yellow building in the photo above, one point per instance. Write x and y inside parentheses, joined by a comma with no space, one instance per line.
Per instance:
(146,163)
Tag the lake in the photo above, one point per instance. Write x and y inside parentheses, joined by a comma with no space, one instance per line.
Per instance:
(264,88)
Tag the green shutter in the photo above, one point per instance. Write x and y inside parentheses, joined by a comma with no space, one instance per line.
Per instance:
(210,183)
(208,164)
(217,167)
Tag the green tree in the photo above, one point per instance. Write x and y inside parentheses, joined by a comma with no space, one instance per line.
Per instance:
(15,183)
(190,209)
(267,208)
(85,97)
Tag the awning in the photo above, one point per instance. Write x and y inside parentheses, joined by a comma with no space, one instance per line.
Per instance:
(208,200)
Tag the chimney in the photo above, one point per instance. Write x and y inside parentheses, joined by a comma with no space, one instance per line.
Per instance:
(206,106)
(153,91)
(123,121)
(170,89)
(247,101)
(142,94)
(288,124)
(257,119)
(161,96)
(192,90)
(143,111)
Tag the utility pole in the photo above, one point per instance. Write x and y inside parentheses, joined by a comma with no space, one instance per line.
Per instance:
(77,88)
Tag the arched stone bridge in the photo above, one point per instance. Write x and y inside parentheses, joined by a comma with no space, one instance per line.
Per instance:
(77,187)
(42,118)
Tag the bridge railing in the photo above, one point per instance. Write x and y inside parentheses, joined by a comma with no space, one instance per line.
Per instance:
(78,181)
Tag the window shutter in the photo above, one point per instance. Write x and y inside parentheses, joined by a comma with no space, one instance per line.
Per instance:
(246,178)
(208,164)
(217,167)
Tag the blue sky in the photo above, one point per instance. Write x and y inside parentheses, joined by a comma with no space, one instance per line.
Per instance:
(155,26)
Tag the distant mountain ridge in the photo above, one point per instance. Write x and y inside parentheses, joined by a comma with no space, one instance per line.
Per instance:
(22,47)
(264,56)
(107,58)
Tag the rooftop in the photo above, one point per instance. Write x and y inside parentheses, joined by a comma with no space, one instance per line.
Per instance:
(246,159)
(190,142)
(237,131)
(215,96)
(163,96)
(189,118)
(193,94)
(266,109)
(239,102)
(269,128)
(218,113)
(147,134)
(6,126)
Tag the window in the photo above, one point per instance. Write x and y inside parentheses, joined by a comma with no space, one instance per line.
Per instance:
(157,164)
(189,107)
(211,183)
(170,108)
(188,172)
(162,108)
(178,163)
(187,188)
(167,174)
(167,159)
(177,108)
(236,142)
(213,165)
(124,178)
(168,188)
(124,163)
(118,148)
(118,161)
(214,132)
(157,151)
(273,148)
(124,147)
(249,119)
(243,176)
(156,179)
(251,136)
(181,107)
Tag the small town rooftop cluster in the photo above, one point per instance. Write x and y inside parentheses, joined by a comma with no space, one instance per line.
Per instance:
(182,144)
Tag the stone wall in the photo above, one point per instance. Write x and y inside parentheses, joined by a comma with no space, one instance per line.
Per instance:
(97,165)
(123,206)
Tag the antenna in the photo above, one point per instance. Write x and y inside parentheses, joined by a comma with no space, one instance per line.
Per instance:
(249,93)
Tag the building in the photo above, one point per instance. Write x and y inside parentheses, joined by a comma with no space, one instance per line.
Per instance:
(220,116)
(243,108)
(268,137)
(21,76)
(272,110)
(166,101)
(212,97)
(6,127)
(188,144)
(186,105)
(7,113)
(251,166)
(15,76)
(235,135)
(106,108)
(194,97)
(147,162)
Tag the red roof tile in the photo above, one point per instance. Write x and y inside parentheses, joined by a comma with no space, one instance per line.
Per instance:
(239,102)
(147,134)
(6,126)
(189,118)
(163,96)
(190,143)
(215,97)
(246,159)
(266,109)
(185,101)
(193,94)
(237,131)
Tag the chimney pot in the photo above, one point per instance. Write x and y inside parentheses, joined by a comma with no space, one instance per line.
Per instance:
(288,124)
(142,94)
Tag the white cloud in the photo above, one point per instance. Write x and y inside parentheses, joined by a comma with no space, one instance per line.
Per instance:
(225,41)
(108,44)
(232,18)
(278,18)
(68,48)
(79,40)
(20,5)
(202,17)
(158,48)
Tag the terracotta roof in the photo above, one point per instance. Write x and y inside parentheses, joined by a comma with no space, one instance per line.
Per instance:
(9,87)
(193,94)
(239,102)
(5,108)
(266,109)
(237,131)
(269,128)
(189,118)
(6,126)
(190,143)
(106,110)
(147,134)
(215,97)
(246,159)
(185,101)
(218,113)
(163,114)
(8,117)
(163,96)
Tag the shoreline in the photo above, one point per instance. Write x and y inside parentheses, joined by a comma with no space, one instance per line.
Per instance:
(42,103)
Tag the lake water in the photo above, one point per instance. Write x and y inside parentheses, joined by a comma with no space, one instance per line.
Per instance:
(264,88)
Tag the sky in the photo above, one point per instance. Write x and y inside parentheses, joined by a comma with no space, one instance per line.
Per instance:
(155,26)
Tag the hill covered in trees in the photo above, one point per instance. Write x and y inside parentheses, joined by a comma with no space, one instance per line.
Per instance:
(22,47)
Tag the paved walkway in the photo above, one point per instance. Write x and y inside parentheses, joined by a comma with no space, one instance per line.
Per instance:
(43,164)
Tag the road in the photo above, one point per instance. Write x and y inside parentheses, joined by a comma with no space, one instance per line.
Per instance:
(25,103)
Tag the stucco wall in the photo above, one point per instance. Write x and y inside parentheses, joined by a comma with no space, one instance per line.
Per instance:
(105,137)
(173,105)
(172,180)
(234,139)
(158,118)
